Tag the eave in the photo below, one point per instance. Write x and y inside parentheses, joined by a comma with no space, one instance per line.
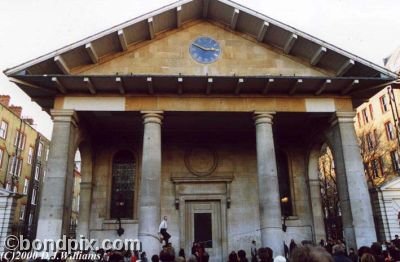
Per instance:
(44,89)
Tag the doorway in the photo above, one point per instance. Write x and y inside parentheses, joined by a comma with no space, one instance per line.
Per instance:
(203,225)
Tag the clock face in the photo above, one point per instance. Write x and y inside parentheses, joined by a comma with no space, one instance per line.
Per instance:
(205,50)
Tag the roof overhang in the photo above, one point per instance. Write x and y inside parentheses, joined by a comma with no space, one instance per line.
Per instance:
(44,89)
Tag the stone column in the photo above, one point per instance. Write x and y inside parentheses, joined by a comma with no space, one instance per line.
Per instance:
(150,183)
(8,202)
(358,223)
(268,186)
(56,198)
(315,195)
(86,187)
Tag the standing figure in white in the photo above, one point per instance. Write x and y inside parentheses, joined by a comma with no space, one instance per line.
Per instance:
(163,230)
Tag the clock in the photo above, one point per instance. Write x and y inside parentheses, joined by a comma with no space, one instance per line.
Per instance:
(205,50)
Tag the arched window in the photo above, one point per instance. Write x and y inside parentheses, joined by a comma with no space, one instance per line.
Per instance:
(284,183)
(123,185)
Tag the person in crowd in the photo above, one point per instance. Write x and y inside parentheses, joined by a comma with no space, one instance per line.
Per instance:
(181,256)
(253,251)
(155,258)
(135,256)
(396,241)
(393,251)
(352,255)
(310,254)
(242,256)
(376,251)
(292,246)
(322,243)
(165,255)
(279,259)
(329,245)
(264,255)
(202,255)
(286,250)
(233,257)
(116,256)
(143,257)
(127,256)
(270,254)
(163,230)
(339,254)
(367,257)
(387,256)
(171,250)
(362,250)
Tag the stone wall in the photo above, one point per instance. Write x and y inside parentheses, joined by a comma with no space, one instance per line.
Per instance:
(235,159)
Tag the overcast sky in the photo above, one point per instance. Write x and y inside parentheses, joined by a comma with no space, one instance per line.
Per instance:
(31,28)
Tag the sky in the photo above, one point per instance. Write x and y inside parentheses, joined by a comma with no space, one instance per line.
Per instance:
(31,28)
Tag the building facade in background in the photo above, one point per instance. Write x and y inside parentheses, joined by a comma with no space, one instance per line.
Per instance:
(377,126)
(23,158)
(209,113)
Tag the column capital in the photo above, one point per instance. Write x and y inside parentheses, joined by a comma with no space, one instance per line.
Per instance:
(65,115)
(152,117)
(263,117)
(342,117)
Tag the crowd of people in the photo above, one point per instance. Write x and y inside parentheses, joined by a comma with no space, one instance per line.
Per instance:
(325,251)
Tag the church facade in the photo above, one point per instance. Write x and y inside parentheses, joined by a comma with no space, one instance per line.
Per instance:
(211,114)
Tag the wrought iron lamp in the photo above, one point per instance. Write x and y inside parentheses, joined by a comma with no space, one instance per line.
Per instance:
(285,212)
(120,204)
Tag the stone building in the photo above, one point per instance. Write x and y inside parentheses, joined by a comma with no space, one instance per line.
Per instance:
(209,113)
(23,157)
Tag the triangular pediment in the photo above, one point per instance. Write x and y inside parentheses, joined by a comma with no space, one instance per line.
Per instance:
(171,55)
(227,14)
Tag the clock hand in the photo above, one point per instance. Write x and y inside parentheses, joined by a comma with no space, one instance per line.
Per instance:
(201,47)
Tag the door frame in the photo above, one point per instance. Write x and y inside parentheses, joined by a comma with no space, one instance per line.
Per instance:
(199,197)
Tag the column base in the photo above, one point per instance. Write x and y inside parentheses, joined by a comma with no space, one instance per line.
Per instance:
(273,238)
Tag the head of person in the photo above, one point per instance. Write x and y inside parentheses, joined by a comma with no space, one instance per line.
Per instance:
(338,249)
(367,257)
(241,253)
(232,256)
(362,250)
(376,248)
(396,236)
(165,217)
(310,254)
(264,255)
(253,242)
(182,252)
(279,259)
(155,258)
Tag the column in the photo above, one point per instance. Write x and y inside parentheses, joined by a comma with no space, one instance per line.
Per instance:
(56,199)
(358,223)
(8,202)
(86,187)
(150,183)
(268,186)
(315,194)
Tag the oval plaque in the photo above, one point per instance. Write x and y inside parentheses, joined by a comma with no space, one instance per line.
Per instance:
(201,161)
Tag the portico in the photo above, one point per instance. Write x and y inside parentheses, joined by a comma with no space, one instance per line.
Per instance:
(214,146)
